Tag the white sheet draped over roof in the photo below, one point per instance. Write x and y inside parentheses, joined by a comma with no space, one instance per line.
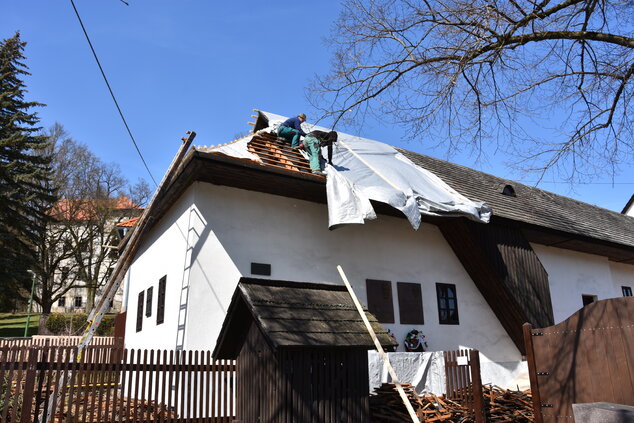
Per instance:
(365,170)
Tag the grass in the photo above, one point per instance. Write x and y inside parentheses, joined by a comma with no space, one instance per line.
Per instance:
(12,325)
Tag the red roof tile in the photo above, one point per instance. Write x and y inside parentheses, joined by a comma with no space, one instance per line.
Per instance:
(128,223)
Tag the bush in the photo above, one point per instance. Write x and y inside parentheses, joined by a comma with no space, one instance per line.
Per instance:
(106,328)
(56,323)
(75,323)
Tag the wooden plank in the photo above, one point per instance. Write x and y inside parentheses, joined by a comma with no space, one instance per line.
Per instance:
(123,409)
(29,385)
(135,381)
(170,390)
(66,361)
(162,376)
(14,357)
(72,358)
(532,371)
(17,383)
(79,380)
(180,380)
(206,390)
(214,368)
(100,381)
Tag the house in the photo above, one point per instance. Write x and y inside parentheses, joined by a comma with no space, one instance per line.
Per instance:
(82,249)
(461,282)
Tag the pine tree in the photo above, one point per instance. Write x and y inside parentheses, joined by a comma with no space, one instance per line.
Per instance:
(25,195)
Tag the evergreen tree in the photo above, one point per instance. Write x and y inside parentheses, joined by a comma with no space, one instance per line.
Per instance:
(25,195)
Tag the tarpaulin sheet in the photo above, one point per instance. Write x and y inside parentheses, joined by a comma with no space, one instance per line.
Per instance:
(365,170)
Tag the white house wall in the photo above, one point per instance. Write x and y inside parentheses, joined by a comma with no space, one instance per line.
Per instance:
(161,254)
(572,274)
(238,227)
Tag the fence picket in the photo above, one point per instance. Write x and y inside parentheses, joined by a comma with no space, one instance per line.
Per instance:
(113,384)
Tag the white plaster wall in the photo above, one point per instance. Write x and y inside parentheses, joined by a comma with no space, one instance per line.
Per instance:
(161,254)
(237,227)
(622,275)
(572,274)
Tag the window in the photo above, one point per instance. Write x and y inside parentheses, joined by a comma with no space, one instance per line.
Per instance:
(160,306)
(588,299)
(139,311)
(78,301)
(410,303)
(509,190)
(627,291)
(380,300)
(148,302)
(447,304)
(61,302)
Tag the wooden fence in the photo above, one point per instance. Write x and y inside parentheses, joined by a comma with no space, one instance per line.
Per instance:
(42,341)
(587,358)
(111,384)
(464,384)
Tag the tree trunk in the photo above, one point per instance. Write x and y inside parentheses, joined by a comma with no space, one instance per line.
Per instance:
(46,312)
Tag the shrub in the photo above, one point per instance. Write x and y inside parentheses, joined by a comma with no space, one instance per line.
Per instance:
(75,323)
(106,328)
(56,323)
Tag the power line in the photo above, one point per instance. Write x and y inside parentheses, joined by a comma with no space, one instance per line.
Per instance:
(112,93)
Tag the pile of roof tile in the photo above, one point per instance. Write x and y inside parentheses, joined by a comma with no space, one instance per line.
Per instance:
(501,405)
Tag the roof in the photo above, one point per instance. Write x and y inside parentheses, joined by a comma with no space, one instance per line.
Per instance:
(128,223)
(296,315)
(83,210)
(532,205)
(545,217)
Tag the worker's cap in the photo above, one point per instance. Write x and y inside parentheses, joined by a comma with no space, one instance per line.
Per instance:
(301,115)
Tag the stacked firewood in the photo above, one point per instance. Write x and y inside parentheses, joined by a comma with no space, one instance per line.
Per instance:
(504,405)
(501,405)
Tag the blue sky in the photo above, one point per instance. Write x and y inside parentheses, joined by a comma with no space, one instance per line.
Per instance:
(198,65)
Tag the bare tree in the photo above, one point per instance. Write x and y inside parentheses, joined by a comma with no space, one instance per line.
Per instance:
(80,239)
(470,71)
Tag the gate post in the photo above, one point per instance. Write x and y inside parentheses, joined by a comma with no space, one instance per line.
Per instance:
(532,371)
(29,386)
(476,384)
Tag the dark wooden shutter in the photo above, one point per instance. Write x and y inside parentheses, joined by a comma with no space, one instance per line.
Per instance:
(148,301)
(160,307)
(380,300)
(410,303)
(139,312)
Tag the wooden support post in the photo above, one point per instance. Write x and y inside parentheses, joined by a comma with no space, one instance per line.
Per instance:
(476,383)
(532,371)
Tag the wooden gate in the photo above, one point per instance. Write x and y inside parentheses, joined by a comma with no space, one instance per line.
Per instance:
(115,385)
(464,384)
(588,357)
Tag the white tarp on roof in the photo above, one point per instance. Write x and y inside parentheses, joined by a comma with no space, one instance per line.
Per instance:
(365,170)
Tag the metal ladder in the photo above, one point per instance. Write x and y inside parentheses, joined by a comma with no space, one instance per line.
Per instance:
(191,239)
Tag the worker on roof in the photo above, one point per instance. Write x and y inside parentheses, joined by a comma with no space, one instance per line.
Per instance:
(291,130)
(313,143)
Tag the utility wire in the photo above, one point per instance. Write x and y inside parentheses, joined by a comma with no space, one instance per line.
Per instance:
(112,93)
